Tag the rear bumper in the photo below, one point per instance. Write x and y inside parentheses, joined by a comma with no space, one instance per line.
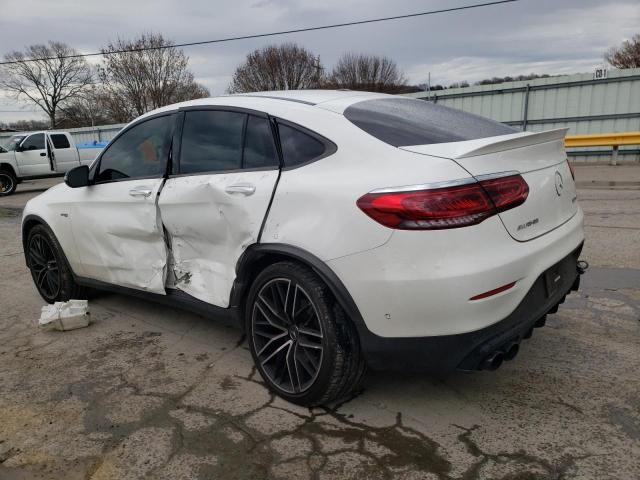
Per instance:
(420,284)
(468,351)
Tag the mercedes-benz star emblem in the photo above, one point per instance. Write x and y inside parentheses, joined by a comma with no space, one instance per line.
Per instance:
(559,183)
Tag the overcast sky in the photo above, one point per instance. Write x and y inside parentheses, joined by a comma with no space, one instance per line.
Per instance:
(541,36)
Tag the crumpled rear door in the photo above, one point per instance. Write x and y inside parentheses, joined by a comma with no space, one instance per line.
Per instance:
(209,221)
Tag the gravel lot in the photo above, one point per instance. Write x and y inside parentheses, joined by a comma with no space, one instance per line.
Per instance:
(151,392)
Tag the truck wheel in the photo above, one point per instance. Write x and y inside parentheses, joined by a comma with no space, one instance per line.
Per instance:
(8,183)
(303,346)
(49,267)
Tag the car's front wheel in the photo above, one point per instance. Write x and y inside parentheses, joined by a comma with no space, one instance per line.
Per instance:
(49,267)
(302,344)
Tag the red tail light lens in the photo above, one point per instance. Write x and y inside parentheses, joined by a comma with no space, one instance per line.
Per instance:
(506,192)
(449,207)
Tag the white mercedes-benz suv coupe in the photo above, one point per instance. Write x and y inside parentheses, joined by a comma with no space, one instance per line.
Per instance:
(340,229)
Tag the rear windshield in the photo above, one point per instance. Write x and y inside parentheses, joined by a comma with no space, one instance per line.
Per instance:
(405,121)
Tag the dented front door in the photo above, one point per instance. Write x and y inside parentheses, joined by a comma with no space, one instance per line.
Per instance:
(118,234)
(115,221)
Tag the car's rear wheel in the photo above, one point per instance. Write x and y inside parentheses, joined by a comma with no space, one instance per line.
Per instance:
(8,183)
(49,267)
(302,344)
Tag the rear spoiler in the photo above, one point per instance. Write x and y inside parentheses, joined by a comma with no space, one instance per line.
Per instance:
(483,146)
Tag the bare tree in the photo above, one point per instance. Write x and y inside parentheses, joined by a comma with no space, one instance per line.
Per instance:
(367,72)
(43,75)
(86,109)
(147,75)
(283,67)
(626,55)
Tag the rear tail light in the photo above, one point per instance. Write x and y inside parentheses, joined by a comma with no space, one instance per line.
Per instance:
(506,192)
(448,207)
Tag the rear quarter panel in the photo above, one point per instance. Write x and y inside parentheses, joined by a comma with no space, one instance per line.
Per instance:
(314,207)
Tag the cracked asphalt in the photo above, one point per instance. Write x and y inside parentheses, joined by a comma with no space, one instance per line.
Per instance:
(147,391)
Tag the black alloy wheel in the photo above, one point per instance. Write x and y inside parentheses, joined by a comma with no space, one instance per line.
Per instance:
(49,267)
(304,347)
(44,266)
(287,335)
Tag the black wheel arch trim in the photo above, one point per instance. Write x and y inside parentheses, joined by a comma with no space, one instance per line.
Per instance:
(256,252)
(7,167)
(31,218)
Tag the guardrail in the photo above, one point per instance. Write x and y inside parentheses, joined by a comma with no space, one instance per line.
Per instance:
(614,140)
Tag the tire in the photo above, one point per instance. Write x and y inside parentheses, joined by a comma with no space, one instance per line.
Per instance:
(304,347)
(49,267)
(8,183)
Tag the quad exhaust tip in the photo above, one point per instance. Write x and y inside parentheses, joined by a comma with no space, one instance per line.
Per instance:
(492,361)
(511,351)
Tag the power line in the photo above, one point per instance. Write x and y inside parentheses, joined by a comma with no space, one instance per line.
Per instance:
(271,34)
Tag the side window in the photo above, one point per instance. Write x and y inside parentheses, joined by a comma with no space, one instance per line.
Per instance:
(59,141)
(259,149)
(34,142)
(297,146)
(142,151)
(211,141)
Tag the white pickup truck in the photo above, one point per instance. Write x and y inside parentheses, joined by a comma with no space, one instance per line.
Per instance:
(28,156)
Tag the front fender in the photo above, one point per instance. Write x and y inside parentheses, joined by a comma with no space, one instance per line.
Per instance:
(51,208)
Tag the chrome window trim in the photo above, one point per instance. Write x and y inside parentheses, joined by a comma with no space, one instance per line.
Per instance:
(492,176)
(445,184)
(426,186)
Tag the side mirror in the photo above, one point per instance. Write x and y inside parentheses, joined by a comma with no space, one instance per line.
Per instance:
(77,177)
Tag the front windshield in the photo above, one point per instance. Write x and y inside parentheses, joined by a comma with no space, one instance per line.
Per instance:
(11,144)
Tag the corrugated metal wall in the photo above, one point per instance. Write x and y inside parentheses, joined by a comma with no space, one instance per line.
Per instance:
(580,102)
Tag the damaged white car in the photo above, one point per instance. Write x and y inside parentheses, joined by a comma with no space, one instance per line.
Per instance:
(340,229)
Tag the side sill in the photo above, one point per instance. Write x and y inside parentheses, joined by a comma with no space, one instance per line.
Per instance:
(173,298)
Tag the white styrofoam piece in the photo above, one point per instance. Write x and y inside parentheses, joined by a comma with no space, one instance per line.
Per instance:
(65,315)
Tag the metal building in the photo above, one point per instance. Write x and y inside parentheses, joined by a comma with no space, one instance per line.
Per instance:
(590,103)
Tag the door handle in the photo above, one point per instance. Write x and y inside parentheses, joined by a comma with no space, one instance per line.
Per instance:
(241,188)
(140,192)
(42,154)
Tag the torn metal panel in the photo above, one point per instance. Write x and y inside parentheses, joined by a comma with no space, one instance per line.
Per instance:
(210,221)
(119,236)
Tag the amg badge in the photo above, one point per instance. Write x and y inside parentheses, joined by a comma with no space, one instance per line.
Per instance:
(528,224)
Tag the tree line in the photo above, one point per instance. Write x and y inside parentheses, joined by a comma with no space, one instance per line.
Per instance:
(138,75)
(147,73)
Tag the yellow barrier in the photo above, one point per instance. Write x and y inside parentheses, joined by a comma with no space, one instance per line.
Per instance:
(604,140)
